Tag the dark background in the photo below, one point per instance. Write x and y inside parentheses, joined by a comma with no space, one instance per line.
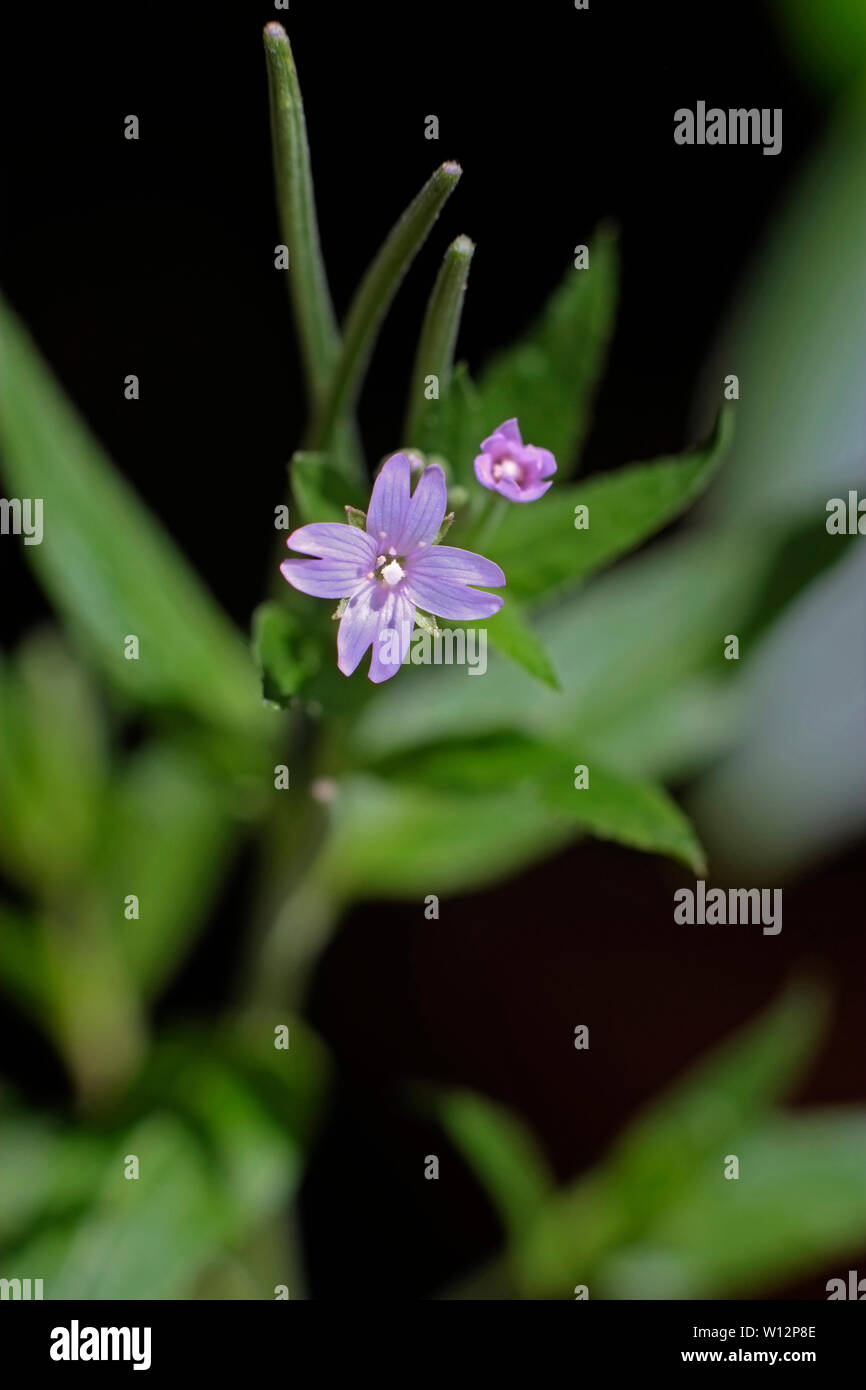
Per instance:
(156,257)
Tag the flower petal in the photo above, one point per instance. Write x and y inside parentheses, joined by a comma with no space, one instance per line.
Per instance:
(451,563)
(335,540)
(397,620)
(449,599)
(542,460)
(426,511)
(484,471)
(509,429)
(389,503)
(531,493)
(359,625)
(322,578)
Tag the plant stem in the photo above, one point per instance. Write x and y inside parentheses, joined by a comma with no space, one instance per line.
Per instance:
(373,298)
(490,521)
(435,352)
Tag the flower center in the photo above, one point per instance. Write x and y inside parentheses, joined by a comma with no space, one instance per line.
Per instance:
(508,468)
(392,572)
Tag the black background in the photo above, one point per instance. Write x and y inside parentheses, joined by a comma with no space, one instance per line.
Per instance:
(156,257)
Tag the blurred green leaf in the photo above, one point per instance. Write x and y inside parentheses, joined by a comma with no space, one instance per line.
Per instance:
(106,565)
(320,491)
(453,427)
(540,549)
(21,966)
(637,814)
(52,764)
(502,1151)
(147,1237)
(287,653)
(828,40)
(724,1096)
(549,377)
(799,1201)
(46,1173)
(638,635)
(396,841)
(167,838)
(511,633)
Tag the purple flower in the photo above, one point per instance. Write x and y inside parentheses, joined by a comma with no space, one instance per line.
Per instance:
(512,468)
(391,568)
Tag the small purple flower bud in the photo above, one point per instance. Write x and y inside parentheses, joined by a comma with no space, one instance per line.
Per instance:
(515,470)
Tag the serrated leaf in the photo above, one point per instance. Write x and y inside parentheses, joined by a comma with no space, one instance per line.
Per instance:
(635,813)
(549,377)
(639,814)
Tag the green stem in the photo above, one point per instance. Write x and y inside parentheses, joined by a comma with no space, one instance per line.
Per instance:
(373,298)
(491,519)
(435,352)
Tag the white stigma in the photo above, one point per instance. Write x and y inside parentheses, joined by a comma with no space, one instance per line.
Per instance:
(507,468)
(392,574)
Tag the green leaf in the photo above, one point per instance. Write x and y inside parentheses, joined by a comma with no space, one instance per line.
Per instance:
(104,562)
(503,1153)
(50,719)
(396,841)
(510,633)
(46,1173)
(540,548)
(453,428)
(799,1202)
(435,352)
(373,299)
(725,1092)
(549,377)
(151,1237)
(320,490)
(286,653)
(167,838)
(633,813)
(21,966)
(638,814)
(694,1124)
(638,634)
